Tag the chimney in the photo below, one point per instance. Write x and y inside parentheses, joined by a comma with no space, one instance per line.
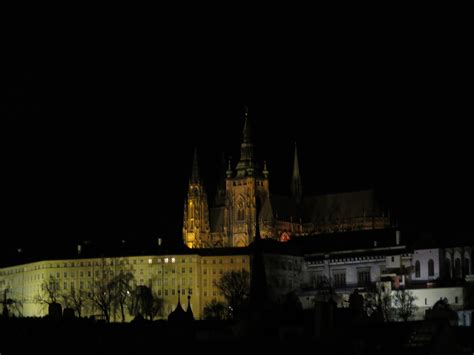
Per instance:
(375,244)
(397,238)
(79,249)
(159,242)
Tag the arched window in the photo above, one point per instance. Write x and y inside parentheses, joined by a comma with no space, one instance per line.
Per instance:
(457,267)
(417,269)
(430,267)
(467,266)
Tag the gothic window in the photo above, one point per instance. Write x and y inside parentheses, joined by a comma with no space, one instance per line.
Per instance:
(417,269)
(430,267)
(240,211)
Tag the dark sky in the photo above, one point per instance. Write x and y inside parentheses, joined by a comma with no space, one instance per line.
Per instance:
(98,129)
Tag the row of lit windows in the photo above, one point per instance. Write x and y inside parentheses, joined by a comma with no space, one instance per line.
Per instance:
(165,260)
(214,261)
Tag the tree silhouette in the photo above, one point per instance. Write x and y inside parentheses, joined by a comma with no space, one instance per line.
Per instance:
(404,304)
(235,286)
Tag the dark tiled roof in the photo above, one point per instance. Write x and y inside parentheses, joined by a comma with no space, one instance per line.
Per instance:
(341,206)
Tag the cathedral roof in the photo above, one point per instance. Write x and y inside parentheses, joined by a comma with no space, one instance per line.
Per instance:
(283,207)
(341,206)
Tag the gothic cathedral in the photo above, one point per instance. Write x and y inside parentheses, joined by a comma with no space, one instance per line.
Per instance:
(231,221)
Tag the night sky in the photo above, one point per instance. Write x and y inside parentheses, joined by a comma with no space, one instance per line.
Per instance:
(98,130)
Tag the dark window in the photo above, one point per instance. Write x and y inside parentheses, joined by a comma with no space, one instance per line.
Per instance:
(467,265)
(430,267)
(363,277)
(340,279)
(417,269)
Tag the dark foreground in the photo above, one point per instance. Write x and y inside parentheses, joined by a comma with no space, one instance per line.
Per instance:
(83,336)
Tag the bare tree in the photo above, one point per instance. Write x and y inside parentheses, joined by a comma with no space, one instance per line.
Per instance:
(378,302)
(235,286)
(10,305)
(122,285)
(74,299)
(50,292)
(103,293)
(215,310)
(404,304)
(145,302)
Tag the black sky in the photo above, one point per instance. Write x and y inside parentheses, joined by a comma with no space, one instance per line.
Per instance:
(98,129)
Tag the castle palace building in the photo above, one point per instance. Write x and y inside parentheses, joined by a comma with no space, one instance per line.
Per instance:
(231,221)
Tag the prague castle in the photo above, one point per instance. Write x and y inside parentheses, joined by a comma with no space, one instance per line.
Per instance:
(344,240)
(230,222)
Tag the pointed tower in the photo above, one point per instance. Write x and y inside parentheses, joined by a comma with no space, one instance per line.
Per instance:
(189,311)
(220,192)
(243,189)
(196,229)
(296,186)
(247,165)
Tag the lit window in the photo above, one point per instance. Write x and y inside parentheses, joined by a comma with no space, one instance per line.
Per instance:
(166,260)
(150,261)
(173,260)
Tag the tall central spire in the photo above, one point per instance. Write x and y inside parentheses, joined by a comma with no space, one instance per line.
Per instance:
(246,165)
(195,173)
(296,186)
(247,127)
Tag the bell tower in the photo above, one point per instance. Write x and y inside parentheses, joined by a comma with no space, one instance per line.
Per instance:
(196,229)
(243,187)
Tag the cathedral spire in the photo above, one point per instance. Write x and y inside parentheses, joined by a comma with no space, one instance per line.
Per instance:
(296,186)
(195,173)
(247,128)
(247,165)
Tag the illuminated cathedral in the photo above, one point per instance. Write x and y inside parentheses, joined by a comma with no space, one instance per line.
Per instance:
(231,220)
